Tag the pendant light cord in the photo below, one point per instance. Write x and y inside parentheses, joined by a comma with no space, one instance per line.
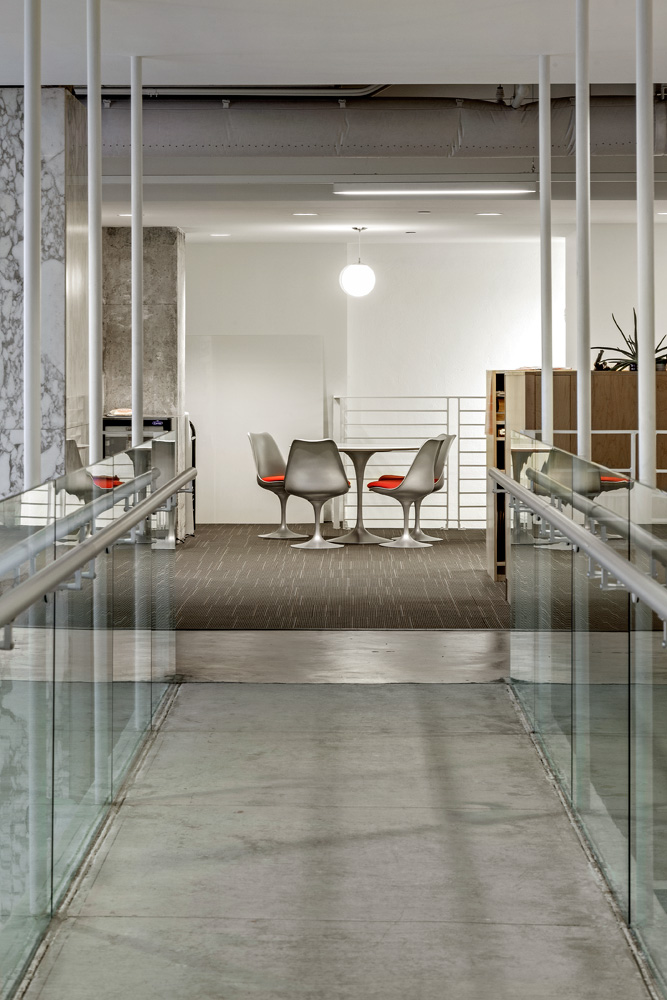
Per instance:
(360,230)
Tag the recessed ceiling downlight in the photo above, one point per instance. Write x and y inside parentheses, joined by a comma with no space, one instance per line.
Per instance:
(488,214)
(309,214)
(220,234)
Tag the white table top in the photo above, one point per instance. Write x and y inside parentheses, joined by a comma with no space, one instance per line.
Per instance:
(371,448)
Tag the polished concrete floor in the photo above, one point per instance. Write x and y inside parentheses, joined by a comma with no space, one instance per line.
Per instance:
(308,656)
(341,841)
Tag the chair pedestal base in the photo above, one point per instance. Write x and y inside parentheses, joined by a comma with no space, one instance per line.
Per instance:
(417,533)
(316,542)
(283,533)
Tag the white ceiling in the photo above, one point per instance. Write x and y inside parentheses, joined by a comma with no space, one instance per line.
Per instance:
(456,221)
(207,42)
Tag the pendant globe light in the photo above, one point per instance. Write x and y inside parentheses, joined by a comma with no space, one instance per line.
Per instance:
(357,279)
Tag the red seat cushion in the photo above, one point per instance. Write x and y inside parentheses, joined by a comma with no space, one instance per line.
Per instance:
(401,478)
(273,479)
(612,479)
(107,482)
(386,484)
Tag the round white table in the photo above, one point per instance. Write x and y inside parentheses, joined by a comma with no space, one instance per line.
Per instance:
(360,455)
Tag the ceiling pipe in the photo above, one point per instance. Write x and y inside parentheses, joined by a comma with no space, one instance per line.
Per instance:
(523,94)
(369,90)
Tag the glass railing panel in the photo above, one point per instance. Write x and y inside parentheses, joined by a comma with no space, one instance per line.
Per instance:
(541,582)
(165,525)
(132,621)
(26,736)
(648,745)
(82,674)
(600,620)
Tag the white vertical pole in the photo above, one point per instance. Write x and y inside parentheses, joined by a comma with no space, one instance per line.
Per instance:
(645,246)
(32,247)
(547,378)
(94,109)
(137,255)
(583,176)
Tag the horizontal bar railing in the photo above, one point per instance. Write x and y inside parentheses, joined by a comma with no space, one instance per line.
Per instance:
(640,586)
(25,594)
(34,544)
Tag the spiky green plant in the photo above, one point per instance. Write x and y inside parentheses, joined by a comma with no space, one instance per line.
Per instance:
(630,356)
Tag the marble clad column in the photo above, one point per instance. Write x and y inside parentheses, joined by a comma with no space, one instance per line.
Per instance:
(64,283)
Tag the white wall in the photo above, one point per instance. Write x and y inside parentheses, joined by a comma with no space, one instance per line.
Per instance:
(236,384)
(614,285)
(439,316)
(442,314)
(270,289)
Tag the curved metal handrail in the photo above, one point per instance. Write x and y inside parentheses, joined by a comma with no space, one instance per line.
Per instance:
(25,594)
(643,587)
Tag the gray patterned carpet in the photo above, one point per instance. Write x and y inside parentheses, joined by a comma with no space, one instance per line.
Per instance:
(228,578)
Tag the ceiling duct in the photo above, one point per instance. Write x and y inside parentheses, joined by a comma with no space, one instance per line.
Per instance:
(393,127)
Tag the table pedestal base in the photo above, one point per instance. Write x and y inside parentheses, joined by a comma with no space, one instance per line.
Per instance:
(359,536)
(405,543)
(283,533)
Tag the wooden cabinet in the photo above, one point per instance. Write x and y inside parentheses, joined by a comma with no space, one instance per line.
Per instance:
(514,403)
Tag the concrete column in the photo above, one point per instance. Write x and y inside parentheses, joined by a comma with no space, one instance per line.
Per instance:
(547,378)
(583,179)
(94,108)
(645,246)
(32,248)
(137,255)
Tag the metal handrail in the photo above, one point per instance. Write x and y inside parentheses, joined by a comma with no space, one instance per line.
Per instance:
(620,525)
(17,600)
(31,546)
(642,587)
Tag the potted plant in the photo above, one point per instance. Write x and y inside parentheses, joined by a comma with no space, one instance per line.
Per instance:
(629,356)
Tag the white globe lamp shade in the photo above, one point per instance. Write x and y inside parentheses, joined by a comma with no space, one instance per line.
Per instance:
(357,279)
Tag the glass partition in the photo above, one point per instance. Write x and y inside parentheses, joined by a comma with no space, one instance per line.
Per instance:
(78,679)
(589,667)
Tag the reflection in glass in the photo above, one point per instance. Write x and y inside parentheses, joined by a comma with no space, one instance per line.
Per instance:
(76,679)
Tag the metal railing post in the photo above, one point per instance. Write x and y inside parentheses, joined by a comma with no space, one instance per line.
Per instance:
(32,247)
(547,376)
(94,115)
(137,169)
(646,387)
(583,213)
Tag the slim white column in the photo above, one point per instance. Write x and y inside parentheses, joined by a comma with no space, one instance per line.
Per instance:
(645,246)
(94,110)
(32,248)
(547,378)
(137,170)
(583,213)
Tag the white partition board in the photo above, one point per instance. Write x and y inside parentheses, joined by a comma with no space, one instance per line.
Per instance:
(249,383)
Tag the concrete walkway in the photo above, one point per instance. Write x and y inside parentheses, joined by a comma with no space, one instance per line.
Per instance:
(330,842)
